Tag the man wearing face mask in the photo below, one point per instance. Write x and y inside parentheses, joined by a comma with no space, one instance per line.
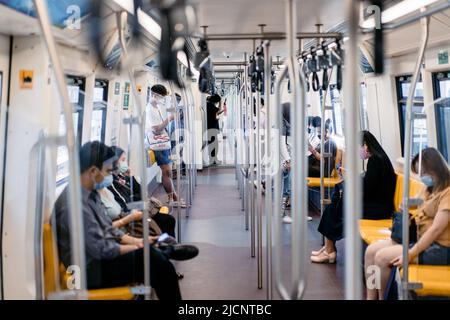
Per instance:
(112,257)
(330,147)
(157,128)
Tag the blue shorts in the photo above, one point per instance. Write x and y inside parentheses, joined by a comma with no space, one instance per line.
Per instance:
(163,157)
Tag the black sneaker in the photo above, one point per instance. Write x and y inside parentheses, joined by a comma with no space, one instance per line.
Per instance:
(179,252)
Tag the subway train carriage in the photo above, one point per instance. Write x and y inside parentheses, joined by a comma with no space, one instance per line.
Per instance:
(225,150)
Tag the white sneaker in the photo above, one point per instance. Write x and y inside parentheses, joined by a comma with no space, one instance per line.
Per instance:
(310,218)
(287,219)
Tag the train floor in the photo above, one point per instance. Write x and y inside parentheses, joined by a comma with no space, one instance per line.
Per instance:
(224,268)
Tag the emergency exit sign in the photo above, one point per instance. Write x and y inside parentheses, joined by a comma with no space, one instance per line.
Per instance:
(443,57)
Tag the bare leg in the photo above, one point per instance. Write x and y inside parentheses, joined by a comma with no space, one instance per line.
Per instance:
(369,262)
(329,246)
(167,181)
(383,260)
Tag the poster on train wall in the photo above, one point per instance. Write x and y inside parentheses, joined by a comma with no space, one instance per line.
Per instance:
(26,79)
(443,57)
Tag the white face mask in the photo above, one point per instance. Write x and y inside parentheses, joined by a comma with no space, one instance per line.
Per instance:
(123,167)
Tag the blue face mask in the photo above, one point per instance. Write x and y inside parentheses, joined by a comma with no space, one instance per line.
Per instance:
(427,180)
(107,181)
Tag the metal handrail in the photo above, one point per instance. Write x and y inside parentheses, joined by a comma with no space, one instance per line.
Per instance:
(259,192)
(322,148)
(246,149)
(299,196)
(177,140)
(299,168)
(283,292)
(407,154)
(352,199)
(268,169)
(139,121)
(76,217)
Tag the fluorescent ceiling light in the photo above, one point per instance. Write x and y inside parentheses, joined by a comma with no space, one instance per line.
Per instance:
(126,4)
(397,11)
(149,24)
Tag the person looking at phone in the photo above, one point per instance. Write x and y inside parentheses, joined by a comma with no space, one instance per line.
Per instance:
(157,128)
(330,147)
(113,258)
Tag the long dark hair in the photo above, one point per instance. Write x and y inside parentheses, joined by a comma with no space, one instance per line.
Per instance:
(373,145)
(433,162)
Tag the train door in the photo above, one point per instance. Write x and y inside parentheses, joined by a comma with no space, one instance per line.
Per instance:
(98,122)
(441,84)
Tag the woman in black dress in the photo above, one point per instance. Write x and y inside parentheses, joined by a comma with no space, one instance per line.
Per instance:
(379,182)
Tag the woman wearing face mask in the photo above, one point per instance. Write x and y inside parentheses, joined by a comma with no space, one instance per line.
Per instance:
(378,193)
(123,183)
(432,220)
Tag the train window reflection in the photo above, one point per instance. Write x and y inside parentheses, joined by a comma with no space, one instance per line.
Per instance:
(363,107)
(98,121)
(75,89)
(441,82)
(419,124)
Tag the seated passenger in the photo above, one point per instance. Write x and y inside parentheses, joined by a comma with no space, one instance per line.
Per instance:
(379,182)
(112,257)
(314,158)
(432,220)
(121,189)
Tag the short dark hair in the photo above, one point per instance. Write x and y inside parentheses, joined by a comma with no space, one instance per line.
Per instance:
(215,98)
(159,89)
(95,153)
(118,151)
(317,122)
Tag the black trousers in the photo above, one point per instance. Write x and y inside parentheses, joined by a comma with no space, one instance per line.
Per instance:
(166,223)
(129,268)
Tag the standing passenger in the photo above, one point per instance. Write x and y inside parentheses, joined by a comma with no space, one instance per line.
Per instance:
(156,126)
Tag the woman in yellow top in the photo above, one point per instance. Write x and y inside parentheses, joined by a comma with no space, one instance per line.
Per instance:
(433,225)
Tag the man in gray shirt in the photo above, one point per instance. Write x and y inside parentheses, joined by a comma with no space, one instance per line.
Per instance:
(112,257)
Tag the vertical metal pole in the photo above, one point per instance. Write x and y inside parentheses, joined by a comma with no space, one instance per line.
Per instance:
(38,213)
(299,168)
(76,217)
(259,191)
(177,151)
(187,143)
(282,291)
(407,154)
(242,144)
(252,178)
(352,199)
(268,168)
(246,147)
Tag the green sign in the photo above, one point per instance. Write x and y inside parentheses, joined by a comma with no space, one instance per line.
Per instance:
(443,57)
(126,101)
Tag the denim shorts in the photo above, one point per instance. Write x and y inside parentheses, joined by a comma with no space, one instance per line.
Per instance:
(162,157)
(435,255)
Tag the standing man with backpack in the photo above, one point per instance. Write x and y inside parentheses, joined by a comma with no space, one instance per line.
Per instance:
(158,137)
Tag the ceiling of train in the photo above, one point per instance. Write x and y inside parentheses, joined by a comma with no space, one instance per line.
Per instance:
(243,16)
(234,16)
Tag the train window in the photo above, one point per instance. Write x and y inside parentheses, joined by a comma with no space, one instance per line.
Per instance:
(441,81)
(363,107)
(98,121)
(336,103)
(419,126)
(75,88)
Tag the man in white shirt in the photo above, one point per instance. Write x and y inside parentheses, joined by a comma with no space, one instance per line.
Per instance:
(158,137)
